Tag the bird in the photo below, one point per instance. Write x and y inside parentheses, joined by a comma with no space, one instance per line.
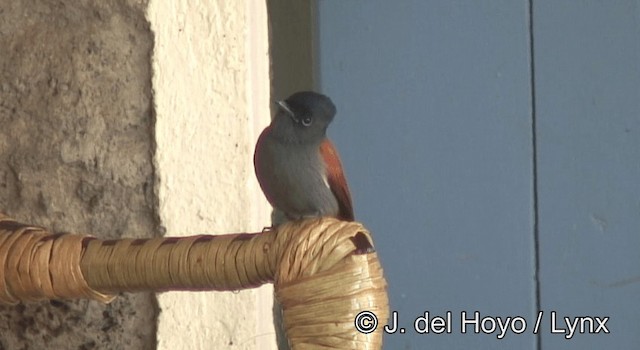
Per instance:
(297,166)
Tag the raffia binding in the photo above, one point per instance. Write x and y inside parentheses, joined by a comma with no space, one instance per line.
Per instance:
(320,281)
(38,265)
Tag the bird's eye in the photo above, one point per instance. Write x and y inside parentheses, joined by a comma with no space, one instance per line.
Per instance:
(306,121)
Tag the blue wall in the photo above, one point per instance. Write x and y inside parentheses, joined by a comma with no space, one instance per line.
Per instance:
(588,116)
(490,184)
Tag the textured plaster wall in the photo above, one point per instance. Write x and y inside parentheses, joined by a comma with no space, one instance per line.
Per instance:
(211,93)
(76,153)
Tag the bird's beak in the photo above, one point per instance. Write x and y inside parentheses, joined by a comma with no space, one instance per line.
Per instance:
(286,108)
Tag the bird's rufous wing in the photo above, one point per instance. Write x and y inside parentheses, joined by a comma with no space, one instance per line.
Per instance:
(337,180)
(259,166)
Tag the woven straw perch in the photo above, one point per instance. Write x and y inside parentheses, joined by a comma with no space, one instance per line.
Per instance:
(323,270)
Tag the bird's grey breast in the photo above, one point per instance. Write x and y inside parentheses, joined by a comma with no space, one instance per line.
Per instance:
(299,177)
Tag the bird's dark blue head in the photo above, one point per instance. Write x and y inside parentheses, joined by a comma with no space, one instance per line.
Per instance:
(304,117)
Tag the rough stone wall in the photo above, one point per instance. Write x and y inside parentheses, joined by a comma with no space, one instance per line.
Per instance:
(76,125)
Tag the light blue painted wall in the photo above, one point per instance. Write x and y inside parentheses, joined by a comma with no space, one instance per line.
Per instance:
(434,127)
(587,56)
